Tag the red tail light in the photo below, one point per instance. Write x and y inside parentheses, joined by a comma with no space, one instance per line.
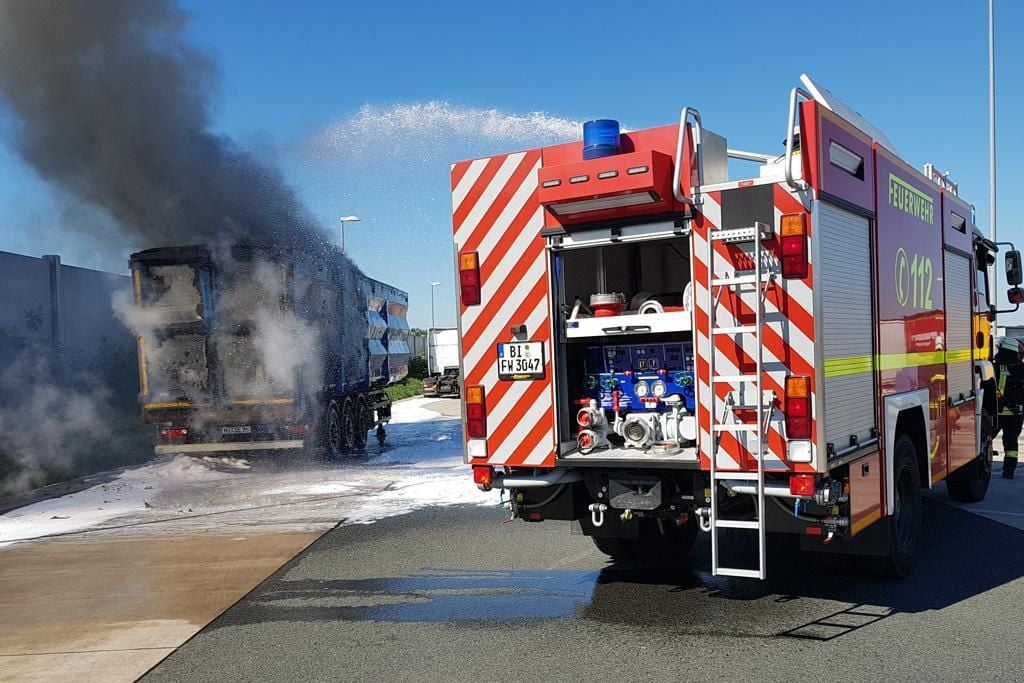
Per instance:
(476,413)
(801,485)
(469,278)
(482,475)
(295,430)
(798,407)
(794,246)
(173,433)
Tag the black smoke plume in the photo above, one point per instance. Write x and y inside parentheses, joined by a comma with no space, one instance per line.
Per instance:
(114,106)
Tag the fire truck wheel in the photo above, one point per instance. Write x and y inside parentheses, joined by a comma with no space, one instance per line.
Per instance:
(651,545)
(362,424)
(671,546)
(905,520)
(615,548)
(969,484)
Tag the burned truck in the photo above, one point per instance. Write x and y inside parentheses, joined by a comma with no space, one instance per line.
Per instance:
(253,348)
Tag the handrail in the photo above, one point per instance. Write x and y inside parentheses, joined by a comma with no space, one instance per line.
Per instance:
(751,156)
(685,114)
(789,135)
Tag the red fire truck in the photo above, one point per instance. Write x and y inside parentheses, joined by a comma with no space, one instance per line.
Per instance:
(651,348)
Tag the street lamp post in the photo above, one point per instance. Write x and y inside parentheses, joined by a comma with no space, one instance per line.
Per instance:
(344,220)
(431,330)
(992,140)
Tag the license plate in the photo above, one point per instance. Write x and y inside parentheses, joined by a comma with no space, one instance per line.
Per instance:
(521,360)
(246,429)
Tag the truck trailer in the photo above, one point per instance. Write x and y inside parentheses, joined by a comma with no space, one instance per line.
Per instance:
(442,378)
(651,348)
(247,348)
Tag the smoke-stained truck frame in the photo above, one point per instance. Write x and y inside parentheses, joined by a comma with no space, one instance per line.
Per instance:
(252,348)
(650,348)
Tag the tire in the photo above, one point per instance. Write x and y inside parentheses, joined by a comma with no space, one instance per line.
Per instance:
(348,424)
(651,545)
(905,522)
(615,548)
(362,424)
(969,484)
(672,546)
(339,429)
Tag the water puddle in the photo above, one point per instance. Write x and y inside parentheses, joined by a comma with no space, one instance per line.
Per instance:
(434,594)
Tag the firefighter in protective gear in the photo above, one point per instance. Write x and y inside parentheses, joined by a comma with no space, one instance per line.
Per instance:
(1010,371)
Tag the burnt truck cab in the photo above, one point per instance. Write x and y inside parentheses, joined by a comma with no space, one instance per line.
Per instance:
(256,348)
(650,347)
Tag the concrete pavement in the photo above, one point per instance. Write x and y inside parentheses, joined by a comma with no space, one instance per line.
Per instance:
(108,609)
(107,602)
(455,594)
(449,407)
(1004,501)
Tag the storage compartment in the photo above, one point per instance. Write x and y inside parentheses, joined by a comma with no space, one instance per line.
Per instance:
(623,289)
(626,354)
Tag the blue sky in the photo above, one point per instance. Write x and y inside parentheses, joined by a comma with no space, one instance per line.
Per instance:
(339,94)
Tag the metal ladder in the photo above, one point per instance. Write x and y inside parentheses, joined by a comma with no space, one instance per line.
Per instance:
(761,278)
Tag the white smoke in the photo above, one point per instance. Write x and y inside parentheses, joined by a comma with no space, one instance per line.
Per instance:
(404,128)
(56,417)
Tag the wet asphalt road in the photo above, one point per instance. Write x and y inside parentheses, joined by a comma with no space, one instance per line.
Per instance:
(454,594)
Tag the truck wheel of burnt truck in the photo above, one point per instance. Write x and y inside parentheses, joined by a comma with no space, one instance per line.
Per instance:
(348,424)
(969,484)
(362,424)
(905,521)
(337,444)
(652,545)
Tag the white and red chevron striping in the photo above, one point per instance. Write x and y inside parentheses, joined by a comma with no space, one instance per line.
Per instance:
(788,337)
(496,214)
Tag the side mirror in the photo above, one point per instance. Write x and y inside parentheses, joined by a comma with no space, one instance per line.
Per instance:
(1014,276)
(1015,295)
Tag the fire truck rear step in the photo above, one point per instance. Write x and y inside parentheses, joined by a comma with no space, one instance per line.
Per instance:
(763,278)
(740,573)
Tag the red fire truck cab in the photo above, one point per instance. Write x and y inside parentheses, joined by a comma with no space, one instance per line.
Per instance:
(651,348)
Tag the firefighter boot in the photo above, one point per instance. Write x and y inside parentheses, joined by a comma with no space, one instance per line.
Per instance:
(1009,464)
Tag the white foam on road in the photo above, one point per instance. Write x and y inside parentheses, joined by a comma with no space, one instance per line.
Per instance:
(414,410)
(128,494)
(421,467)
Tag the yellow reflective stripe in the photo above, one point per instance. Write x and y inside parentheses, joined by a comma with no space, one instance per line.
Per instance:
(898,361)
(176,404)
(958,356)
(268,401)
(855,365)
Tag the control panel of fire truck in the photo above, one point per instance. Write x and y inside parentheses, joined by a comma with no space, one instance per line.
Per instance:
(638,396)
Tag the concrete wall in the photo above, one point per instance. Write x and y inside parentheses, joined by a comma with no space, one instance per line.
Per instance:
(25,297)
(69,376)
(42,300)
